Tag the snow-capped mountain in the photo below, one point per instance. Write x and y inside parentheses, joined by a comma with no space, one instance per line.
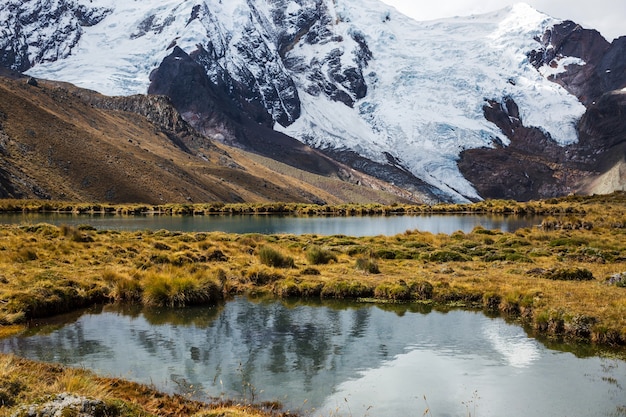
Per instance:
(345,76)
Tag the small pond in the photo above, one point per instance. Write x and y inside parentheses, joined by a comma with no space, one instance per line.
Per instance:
(336,359)
(273,224)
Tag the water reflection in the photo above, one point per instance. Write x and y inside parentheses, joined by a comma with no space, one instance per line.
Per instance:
(272,224)
(340,359)
(516,349)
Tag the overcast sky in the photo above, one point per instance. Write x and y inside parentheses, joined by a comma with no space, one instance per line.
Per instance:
(607,16)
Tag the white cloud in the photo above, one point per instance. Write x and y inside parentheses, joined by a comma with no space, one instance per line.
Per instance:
(606,16)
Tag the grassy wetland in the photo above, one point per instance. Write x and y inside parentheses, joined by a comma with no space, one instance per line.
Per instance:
(565,279)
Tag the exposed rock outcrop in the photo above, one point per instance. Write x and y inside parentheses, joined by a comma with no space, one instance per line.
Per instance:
(533,166)
(68,405)
(217,115)
(604,66)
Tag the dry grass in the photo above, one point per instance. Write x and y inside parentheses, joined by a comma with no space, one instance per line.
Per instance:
(533,274)
(24,382)
(568,212)
(65,143)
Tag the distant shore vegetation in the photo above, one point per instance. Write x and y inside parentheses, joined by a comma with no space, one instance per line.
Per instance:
(557,206)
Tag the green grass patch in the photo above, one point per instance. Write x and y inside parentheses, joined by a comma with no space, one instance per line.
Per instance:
(319,256)
(569,274)
(367,265)
(271,257)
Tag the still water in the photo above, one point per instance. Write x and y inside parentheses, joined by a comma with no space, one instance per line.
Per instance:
(334,359)
(271,224)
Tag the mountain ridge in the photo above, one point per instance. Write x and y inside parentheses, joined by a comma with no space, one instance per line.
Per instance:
(420,105)
(61,142)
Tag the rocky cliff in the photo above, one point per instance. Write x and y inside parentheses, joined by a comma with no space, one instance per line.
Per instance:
(533,166)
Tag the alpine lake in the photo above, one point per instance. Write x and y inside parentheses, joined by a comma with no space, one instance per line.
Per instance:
(329,358)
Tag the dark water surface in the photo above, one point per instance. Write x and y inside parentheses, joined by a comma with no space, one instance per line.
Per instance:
(336,359)
(272,224)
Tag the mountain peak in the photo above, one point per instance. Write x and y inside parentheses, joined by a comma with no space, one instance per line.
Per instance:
(522,8)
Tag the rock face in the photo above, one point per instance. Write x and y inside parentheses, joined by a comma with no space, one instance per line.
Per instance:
(524,169)
(202,103)
(533,166)
(604,66)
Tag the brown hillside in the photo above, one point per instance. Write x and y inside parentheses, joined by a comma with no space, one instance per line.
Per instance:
(60,142)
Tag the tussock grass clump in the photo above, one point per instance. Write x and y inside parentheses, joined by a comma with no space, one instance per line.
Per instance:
(443,256)
(216,255)
(397,291)
(319,256)
(368,265)
(10,388)
(260,275)
(286,289)
(569,274)
(422,290)
(342,289)
(25,255)
(123,287)
(185,258)
(176,289)
(479,230)
(271,257)
(390,254)
(353,250)
(161,246)
(75,234)
(292,288)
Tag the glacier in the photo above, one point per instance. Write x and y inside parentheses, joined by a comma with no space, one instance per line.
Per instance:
(426,82)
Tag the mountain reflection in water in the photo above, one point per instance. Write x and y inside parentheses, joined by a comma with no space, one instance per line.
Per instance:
(336,358)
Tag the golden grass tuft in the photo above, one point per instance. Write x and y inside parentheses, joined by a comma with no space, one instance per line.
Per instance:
(176,287)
